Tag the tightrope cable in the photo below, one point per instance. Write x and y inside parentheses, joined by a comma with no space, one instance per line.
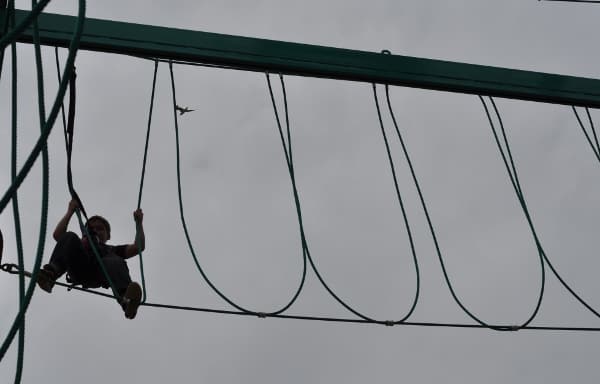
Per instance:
(13,269)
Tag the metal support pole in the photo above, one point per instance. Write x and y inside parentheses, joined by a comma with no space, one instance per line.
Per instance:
(315,61)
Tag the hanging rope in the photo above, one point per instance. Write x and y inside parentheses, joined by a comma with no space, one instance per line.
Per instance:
(70,132)
(186,232)
(595,145)
(514,180)
(525,209)
(411,242)
(46,129)
(398,195)
(15,201)
(8,6)
(511,169)
(139,202)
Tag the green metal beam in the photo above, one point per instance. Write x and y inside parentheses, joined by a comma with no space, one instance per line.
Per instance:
(315,61)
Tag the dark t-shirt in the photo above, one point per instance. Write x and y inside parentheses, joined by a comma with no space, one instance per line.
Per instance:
(107,250)
(118,250)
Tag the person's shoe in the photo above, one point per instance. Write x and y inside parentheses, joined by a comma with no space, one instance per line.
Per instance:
(46,278)
(131,300)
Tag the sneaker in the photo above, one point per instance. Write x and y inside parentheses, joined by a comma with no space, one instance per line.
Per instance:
(131,300)
(46,278)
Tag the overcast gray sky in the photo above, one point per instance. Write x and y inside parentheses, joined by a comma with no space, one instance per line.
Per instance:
(239,204)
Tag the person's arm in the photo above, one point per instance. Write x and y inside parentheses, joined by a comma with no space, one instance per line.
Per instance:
(61,227)
(132,249)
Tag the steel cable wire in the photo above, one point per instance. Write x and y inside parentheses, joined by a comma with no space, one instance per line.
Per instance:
(13,269)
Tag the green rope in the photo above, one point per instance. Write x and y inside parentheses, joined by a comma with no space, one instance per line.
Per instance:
(15,201)
(511,169)
(398,195)
(96,253)
(287,151)
(186,232)
(73,46)
(69,137)
(596,147)
(47,128)
(62,104)
(530,222)
(587,111)
(139,203)
(546,259)
(9,7)
(27,21)
(397,188)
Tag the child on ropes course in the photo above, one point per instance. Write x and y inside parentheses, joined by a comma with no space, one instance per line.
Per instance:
(75,256)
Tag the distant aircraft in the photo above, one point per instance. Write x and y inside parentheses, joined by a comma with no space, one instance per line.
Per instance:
(183,110)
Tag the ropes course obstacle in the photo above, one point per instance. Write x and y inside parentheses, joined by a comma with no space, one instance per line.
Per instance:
(25,27)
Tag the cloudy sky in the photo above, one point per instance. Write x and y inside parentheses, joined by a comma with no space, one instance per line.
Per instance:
(240,212)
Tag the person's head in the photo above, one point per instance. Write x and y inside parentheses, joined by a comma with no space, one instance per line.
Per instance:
(100,226)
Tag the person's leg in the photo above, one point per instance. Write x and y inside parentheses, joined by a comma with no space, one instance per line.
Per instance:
(68,255)
(130,293)
(117,270)
(68,246)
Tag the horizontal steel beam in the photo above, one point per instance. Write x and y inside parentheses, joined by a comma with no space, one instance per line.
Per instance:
(315,61)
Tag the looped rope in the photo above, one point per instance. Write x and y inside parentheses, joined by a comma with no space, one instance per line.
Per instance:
(69,132)
(287,152)
(405,217)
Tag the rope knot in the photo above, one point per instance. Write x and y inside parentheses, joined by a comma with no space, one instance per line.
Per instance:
(261,315)
(389,323)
